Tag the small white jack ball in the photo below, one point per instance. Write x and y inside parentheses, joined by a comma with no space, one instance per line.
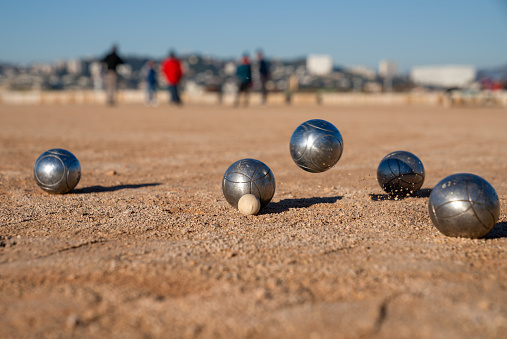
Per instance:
(249,204)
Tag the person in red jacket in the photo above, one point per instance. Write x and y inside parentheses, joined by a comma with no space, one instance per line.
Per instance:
(171,67)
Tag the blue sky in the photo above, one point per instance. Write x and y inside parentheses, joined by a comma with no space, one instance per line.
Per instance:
(353,32)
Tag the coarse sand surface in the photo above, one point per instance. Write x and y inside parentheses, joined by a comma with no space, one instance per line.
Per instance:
(146,245)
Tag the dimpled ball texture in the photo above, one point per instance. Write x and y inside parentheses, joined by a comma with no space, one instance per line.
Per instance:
(464,205)
(400,173)
(316,146)
(248,176)
(57,171)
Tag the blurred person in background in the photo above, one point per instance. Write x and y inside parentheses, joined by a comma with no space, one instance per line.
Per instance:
(171,67)
(244,75)
(263,75)
(151,84)
(112,61)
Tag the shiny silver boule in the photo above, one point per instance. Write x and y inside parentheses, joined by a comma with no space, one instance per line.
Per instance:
(248,176)
(464,205)
(400,173)
(316,145)
(57,171)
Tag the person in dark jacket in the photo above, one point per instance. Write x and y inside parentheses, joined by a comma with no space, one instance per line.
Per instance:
(244,75)
(151,84)
(112,61)
(263,75)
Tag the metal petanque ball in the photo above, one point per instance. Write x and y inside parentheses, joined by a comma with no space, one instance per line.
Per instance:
(464,205)
(57,171)
(400,173)
(316,145)
(248,176)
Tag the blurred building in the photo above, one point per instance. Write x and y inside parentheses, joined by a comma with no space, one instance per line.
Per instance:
(443,76)
(75,67)
(230,68)
(387,70)
(319,64)
(362,71)
(96,75)
(125,70)
(44,68)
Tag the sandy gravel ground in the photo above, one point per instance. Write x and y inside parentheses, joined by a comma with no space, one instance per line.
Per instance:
(146,245)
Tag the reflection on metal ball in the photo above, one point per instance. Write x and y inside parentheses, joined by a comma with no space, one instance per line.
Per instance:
(400,173)
(316,145)
(248,176)
(57,171)
(464,205)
